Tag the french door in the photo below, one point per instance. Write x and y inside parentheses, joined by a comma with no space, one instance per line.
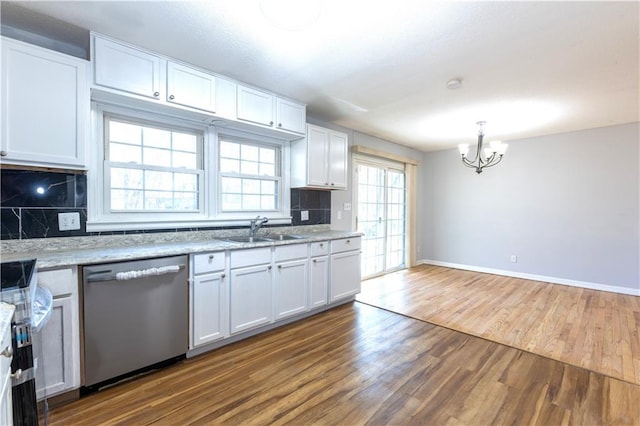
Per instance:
(380,215)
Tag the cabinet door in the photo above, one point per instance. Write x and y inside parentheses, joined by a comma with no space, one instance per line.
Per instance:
(250,298)
(317,156)
(319,280)
(54,345)
(208,313)
(45,107)
(190,87)
(255,106)
(345,275)
(124,68)
(338,160)
(290,116)
(290,288)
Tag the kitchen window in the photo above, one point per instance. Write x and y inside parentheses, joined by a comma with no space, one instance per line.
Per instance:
(148,170)
(152,168)
(250,178)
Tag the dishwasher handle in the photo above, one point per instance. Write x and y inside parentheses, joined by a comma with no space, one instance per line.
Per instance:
(133,274)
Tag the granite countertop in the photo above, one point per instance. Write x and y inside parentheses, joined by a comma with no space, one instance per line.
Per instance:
(60,252)
(6,314)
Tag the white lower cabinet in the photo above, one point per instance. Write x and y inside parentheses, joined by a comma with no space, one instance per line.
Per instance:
(251,289)
(208,308)
(319,274)
(290,280)
(59,340)
(345,268)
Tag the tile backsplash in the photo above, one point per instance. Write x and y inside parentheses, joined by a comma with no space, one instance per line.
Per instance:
(30,201)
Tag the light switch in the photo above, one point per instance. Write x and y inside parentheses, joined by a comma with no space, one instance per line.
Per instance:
(347,207)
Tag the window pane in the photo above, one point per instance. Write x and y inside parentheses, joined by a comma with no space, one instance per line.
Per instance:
(124,132)
(250,186)
(251,202)
(186,201)
(229,149)
(126,178)
(158,180)
(267,170)
(267,155)
(185,159)
(250,152)
(185,182)
(157,157)
(268,187)
(249,168)
(229,166)
(268,202)
(231,202)
(185,142)
(156,137)
(231,185)
(158,200)
(124,153)
(126,200)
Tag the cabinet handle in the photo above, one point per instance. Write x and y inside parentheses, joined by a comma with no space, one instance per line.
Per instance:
(8,352)
(223,275)
(211,257)
(271,123)
(315,260)
(279,266)
(17,374)
(332,183)
(348,241)
(3,153)
(270,267)
(171,97)
(279,124)
(321,245)
(326,183)
(156,94)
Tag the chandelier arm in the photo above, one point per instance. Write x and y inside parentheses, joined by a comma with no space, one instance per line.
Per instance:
(496,162)
(468,163)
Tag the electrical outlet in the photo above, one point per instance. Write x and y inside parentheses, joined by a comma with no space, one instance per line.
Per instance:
(304,215)
(346,207)
(68,221)
(514,258)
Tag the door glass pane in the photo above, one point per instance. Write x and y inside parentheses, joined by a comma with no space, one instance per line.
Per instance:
(381,217)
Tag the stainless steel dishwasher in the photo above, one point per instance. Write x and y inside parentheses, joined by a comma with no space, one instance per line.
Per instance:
(135,316)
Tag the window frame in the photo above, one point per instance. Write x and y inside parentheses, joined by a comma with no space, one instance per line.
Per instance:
(210,214)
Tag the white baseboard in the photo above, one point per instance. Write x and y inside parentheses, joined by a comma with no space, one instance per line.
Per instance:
(534,277)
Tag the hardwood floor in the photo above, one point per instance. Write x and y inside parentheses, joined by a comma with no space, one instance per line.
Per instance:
(357,364)
(592,329)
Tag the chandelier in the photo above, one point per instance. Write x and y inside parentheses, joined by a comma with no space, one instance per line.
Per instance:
(491,156)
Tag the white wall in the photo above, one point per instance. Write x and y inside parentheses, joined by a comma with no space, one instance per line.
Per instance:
(567,205)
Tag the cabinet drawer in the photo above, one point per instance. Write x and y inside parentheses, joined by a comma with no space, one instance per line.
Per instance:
(345,244)
(258,256)
(288,252)
(319,249)
(59,281)
(208,262)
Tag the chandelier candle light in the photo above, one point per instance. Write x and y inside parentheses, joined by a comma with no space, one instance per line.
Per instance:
(492,155)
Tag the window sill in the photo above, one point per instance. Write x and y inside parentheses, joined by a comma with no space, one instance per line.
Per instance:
(171,225)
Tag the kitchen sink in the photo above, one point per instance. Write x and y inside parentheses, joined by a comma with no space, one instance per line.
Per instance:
(248,239)
(283,237)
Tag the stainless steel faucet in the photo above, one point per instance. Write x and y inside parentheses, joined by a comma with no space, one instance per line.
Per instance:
(256,224)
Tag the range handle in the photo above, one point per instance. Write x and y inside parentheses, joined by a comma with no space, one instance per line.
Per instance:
(109,275)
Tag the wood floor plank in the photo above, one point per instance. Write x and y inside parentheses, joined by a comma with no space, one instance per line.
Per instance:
(360,365)
(591,329)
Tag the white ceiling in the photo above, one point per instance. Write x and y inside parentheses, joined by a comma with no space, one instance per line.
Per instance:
(381,67)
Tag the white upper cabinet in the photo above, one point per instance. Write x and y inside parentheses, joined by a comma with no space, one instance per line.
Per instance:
(320,160)
(290,116)
(255,106)
(45,106)
(120,68)
(125,68)
(190,87)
